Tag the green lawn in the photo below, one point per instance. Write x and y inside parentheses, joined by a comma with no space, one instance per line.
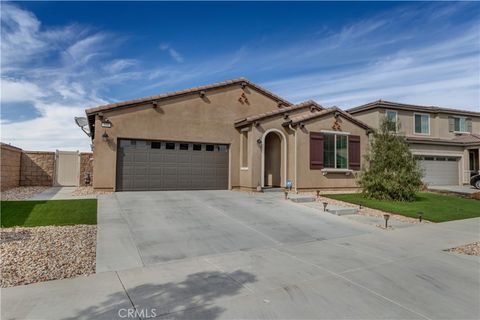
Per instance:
(435,207)
(48,213)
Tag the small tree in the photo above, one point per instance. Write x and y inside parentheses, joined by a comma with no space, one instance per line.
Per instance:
(392,172)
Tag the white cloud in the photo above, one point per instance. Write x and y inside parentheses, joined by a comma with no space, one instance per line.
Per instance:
(118,65)
(172,52)
(17,91)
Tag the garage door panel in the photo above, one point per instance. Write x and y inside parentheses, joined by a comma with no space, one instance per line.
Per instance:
(145,165)
(439,172)
(156,156)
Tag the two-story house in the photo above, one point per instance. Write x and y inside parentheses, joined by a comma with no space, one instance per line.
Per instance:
(446,141)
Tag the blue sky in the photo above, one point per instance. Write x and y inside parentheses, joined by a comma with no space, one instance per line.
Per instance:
(60,58)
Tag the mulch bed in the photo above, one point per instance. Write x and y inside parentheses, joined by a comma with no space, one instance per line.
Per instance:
(30,255)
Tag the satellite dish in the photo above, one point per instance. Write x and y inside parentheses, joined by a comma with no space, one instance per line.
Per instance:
(82,122)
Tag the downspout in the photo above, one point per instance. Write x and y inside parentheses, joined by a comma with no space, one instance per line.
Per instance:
(294,156)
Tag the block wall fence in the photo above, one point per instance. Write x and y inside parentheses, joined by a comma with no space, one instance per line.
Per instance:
(35,168)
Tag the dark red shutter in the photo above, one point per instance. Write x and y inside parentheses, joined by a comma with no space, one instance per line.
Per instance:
(354,152)
(316,151)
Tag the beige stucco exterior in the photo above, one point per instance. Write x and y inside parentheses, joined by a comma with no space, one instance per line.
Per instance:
(210,118)
(322,179)
(189,118)
(439,130)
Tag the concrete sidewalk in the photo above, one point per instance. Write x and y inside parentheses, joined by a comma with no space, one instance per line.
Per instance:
(398,274)
(60,193)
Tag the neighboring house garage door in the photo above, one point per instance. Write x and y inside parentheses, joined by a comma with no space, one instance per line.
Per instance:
(166,165)
(439,171)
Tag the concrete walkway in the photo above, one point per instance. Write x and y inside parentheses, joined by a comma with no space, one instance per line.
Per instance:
(60,193)
(465,190)
(400,274)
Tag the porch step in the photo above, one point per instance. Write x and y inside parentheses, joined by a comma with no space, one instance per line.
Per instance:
(272,189)
(340,211)
(301,198)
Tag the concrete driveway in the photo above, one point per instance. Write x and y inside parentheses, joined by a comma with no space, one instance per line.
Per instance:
(232,255)
(143,228)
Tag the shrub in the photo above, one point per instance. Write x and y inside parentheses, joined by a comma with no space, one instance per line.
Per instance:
(391,172)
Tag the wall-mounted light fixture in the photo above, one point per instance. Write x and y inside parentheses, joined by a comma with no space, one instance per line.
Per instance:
(155,104)
(243,85)
(202,93)
(337,114)
(256,123)
(105,136)
(280,104)
(285,116)
(106,123)
(100,115)
(259,141)
(302,125)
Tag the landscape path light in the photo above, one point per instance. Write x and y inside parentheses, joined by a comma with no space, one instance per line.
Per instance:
(386,217)
(420,215)
(325,204)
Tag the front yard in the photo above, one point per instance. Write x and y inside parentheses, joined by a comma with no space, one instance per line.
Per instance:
(435,207)
(48,213)
(47,240)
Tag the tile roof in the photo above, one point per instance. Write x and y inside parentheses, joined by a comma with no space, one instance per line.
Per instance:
(261,116)
(458,140)
(237,81)
(303,118)
(404,106)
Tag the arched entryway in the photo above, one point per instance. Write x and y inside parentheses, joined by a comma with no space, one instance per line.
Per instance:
(273,158)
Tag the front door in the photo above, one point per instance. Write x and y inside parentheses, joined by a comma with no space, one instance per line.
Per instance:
(273,160)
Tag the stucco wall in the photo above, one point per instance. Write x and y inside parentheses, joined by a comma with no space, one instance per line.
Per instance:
(190,118)
(308,179)
(438,122)
(86,166)
(10,166)
(37,168)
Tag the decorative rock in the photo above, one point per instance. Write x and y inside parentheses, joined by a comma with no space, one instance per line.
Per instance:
(30,255)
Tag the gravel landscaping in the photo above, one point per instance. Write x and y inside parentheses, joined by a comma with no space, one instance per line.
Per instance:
(30,255)
(21,193)
(472,249)
(87,191)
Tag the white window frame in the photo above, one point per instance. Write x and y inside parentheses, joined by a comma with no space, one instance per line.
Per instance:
(334,133)
(459,131)
(421,114)
(396,117)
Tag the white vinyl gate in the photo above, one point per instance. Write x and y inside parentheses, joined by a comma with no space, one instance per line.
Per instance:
(67,168)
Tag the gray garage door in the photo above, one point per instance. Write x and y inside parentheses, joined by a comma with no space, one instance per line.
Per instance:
(167,165)
(439,171)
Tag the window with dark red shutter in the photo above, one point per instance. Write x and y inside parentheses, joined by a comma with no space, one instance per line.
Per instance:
(316,151)
(354,152)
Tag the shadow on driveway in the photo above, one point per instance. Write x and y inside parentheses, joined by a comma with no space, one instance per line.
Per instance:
(193,297)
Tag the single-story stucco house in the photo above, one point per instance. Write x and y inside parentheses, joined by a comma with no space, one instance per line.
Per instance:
(229,135)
